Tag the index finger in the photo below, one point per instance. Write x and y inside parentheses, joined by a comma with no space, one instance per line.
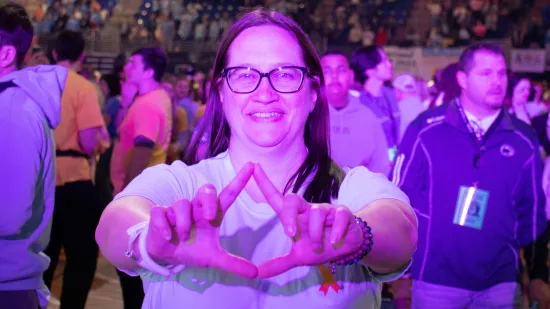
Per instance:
(272,195)
(230,193)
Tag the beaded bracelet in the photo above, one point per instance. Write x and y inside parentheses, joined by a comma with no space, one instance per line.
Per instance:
(365,248)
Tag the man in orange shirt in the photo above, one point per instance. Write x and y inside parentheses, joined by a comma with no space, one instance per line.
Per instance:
(77,210)
(143,136)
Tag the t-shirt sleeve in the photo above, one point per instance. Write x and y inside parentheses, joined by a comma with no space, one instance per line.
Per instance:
(148,121)
(88,113)
(362,187)
(163,184)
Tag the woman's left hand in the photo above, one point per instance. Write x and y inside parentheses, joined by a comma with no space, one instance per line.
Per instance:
(320,233)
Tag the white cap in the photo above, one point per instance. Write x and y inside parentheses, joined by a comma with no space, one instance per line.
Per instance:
(405,82)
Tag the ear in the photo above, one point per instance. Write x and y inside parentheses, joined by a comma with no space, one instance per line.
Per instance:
(461,79)
(81,58)
(149,73)
(8,55)
(54,54)
(366,73)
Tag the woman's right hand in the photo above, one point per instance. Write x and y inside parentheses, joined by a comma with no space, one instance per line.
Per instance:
(187,232)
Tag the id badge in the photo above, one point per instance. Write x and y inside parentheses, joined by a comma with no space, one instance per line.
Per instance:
(470,207)
(392,153)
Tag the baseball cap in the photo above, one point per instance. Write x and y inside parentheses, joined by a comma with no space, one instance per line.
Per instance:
(405,82)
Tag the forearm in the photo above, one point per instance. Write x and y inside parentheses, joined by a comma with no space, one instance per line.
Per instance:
(111,233)
(395,234)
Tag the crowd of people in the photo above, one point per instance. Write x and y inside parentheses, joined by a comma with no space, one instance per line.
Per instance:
(459,23)
(310,188)
(355,23)
(55,16)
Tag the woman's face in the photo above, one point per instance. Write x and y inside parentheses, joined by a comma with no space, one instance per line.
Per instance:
(521,92)
(265,117)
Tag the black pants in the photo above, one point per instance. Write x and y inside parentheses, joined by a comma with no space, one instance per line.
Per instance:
(132,290)
(27,299)
(75,218)
(132,287)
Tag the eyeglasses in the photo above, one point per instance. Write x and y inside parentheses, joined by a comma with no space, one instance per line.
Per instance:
(284,79)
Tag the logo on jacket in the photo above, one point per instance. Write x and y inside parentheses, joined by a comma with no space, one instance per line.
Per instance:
(507,150)
(434,119)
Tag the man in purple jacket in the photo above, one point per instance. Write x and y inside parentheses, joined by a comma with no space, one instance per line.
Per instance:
(473,174)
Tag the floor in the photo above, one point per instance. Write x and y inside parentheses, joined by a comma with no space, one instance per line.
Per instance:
(105,293)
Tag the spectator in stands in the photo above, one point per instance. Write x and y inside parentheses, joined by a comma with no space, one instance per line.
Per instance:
(30,102)
(79,135)
(372,69)
(481,198)
(356,137)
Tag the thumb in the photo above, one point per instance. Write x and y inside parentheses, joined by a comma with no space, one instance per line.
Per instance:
(235,264)
(276,266)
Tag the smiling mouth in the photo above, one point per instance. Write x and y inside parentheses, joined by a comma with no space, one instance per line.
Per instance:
(266,115)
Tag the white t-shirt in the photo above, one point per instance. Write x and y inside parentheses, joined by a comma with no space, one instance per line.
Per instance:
(253,231)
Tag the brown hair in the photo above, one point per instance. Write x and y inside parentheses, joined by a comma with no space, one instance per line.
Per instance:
(326,176)
(466,61)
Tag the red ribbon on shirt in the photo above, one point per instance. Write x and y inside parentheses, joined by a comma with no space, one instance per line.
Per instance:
(328,280)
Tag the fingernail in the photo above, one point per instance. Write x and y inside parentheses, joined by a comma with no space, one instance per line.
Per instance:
(334,239)
(167,234)
(291,231)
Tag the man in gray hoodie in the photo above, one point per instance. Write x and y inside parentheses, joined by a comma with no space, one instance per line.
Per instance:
(356,136)
(29,110)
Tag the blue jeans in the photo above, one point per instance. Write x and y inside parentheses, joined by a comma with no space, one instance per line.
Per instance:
(432,296)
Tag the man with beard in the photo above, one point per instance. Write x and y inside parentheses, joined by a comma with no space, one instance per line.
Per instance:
(473,174)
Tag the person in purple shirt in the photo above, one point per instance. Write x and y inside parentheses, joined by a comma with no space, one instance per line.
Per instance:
(30,108)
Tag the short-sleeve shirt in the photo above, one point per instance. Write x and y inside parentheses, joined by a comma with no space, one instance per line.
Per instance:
(79,111)
(253,231)
(150,116)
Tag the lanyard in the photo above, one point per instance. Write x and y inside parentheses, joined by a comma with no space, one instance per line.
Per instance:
(479,140)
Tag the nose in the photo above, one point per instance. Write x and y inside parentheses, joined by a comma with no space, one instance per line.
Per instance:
(496,80)
(265,92)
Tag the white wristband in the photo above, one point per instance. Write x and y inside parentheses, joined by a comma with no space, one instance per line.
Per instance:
(140,231)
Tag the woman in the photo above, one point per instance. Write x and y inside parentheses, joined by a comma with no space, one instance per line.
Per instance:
(273,217)
(519,89)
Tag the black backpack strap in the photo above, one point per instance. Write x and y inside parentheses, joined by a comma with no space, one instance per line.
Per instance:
(71,153)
